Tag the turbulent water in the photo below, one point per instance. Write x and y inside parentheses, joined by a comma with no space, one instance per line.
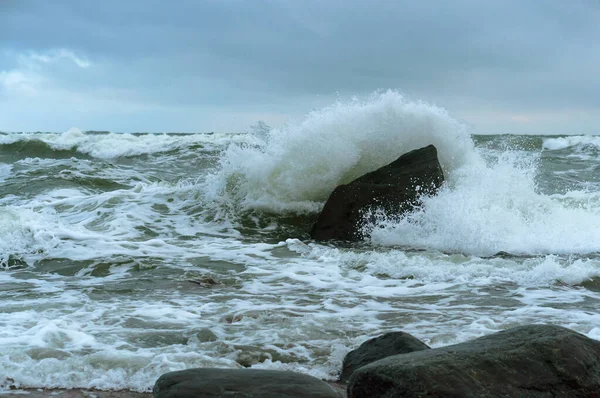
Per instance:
(126,256)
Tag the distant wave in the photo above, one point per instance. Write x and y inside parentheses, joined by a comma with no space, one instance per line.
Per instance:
(109,145)
(559,143)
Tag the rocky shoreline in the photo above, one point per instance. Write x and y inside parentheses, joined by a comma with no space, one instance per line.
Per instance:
(525,361)
(73,393)
(339,388)
(528,361)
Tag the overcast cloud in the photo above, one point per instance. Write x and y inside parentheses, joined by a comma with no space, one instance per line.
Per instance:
(518,66)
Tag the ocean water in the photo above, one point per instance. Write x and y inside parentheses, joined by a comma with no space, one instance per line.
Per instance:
(126,256)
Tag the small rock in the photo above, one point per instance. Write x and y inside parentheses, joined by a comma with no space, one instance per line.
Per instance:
(206,281)
(206,335)
(249,358)
(242,383)
(372,350)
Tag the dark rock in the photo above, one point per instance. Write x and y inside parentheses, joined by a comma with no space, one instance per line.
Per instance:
(389,344)
(396,188)
(240,383)
(527,361)
(206,281)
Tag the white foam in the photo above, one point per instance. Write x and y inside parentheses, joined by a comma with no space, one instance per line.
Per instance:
(298,166)
(423,272)
(23,235)
(485,209)
(297,305)
(5,171)
(559,143)
(115,145)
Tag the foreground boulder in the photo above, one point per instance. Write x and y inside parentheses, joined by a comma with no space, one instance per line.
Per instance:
(395,188)
(389,344)
(527,361)
(246,383)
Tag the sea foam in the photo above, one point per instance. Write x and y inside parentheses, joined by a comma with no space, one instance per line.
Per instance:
(118,145)
(489,203)
(296,167)
(486,209)
(559,143)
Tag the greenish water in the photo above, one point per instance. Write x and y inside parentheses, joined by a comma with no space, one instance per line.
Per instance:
(126,256)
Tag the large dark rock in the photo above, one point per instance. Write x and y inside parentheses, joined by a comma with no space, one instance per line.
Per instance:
(527,361)
(240,383)
(396,188)
(372,350)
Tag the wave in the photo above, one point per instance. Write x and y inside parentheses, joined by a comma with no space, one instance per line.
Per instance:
(490,202)
(5,171)
(295,168)
(558,143)
(22,236)
(497,208)
(74,142)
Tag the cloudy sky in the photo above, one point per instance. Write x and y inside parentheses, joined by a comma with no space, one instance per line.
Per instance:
(517,66)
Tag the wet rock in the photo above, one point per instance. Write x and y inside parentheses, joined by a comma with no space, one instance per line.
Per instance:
(249,358)
(372,350)
(527,361)
(247,383)
(396,188)
(206,281)
(75,393)
(205,335)
(39,353)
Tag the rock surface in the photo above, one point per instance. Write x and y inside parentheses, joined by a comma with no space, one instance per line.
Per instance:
(527,361)
(240,383)
(372,350)
(395,188)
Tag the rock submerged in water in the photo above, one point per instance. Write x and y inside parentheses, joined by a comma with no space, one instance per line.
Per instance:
(247,383)
(396,188)
(372,350)
(527,361)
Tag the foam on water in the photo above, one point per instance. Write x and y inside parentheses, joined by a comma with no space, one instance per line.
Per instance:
(298,306)
(486,209)
(5,170)
(486,206)
(112,145)
(118,285)
(23,235)
(559,143)
(78,225)
(297,166)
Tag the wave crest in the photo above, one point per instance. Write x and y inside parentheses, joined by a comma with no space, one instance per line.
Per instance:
(297,166)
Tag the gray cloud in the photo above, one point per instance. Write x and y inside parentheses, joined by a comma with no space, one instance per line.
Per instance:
(229,57)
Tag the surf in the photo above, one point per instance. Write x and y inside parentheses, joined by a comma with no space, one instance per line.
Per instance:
(490,203)
(294,168)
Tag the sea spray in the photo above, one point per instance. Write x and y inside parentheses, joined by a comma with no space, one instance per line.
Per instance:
(296,167)
(490,202)
(106,241)
(495,207)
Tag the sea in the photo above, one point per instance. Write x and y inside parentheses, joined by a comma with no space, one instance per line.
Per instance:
(126,256)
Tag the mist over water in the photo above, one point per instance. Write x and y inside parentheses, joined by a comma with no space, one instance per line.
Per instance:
(126,256)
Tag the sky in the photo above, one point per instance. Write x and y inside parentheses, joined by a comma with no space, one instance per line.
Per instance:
(502,66)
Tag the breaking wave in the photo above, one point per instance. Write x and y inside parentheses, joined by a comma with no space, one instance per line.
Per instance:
(295,168)
(489,204)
